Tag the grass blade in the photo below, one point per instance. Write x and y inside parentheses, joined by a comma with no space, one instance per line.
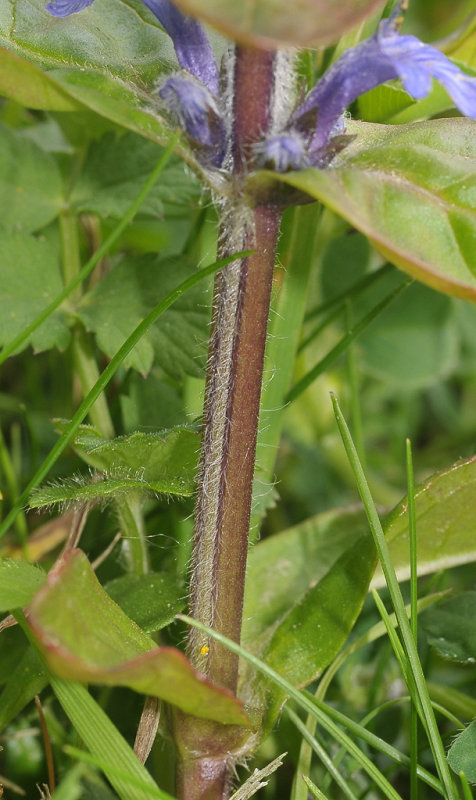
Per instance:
(428,717)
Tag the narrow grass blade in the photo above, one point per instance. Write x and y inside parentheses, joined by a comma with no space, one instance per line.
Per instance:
(113,771)
(428,717)
(414,613)
(103,381)
(313,788)
(308,703)
(322,755)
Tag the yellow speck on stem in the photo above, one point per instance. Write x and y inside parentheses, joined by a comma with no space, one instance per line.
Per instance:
(204,650)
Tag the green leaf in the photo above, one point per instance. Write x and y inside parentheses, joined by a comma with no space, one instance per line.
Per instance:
(267,23)
(105,742)
(26,292)
(450,628)
(282,569)
(127,293)
(461,753)
(28,85)
(30,183)
(304,590)
(18,583)
(315,629)
(151,601)
(445,506)
(167,459)
(115,170)
(414,343)
(27,680)
(85,636)
(411,190)
(120,38)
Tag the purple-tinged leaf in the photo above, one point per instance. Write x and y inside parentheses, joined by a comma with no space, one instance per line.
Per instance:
(411,190)
(85,636)
(268,23)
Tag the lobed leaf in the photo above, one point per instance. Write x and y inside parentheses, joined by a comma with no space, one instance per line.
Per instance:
(116,168)
(164,462)
(127,293)
(411,189)
(270,23)
(30,183)
(25,292)
(85,636)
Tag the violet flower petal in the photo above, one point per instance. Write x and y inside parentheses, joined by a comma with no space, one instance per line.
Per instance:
(63,8)
(194,108)
(417,63)
(192,47)
(282,153)
(383,57)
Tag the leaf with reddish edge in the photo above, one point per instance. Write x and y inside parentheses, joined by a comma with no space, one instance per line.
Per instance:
(411,189)
(85,636)
(272,23)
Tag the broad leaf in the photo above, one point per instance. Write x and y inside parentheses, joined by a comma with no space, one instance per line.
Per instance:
(28,85)
(414,342)
(461,753)
(18,583)
(120,38)
(27,291)
(445,506)
(268,23)
(85,636)
(124,297)
(411,190)
(305,588)
(284,568)
(115,170)
(30,183)
(315,629)
(151,601)
(450,628)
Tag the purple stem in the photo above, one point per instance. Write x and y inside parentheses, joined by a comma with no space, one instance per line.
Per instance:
(232,397)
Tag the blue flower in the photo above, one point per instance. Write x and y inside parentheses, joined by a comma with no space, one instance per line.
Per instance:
(194,107)
(385,56)
(312,135)
(191,98)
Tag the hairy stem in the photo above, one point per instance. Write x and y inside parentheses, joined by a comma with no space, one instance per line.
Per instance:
(232,397)
(240,316)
